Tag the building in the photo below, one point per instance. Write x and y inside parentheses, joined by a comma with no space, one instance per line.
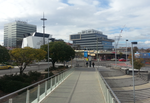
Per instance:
(13,33)
(91,40)
(35,40)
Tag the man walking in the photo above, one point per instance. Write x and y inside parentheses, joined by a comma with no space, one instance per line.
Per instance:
(93,64)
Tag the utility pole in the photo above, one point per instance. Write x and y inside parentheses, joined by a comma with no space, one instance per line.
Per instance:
(43,19)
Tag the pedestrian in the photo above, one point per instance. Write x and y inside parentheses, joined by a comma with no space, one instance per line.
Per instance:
(87,64)
(93,64)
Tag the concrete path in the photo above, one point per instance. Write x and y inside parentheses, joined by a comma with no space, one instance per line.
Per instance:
(139,87)
(80,87)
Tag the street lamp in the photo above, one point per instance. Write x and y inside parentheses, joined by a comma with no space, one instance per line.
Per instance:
(52,39)
(133,69)
(126,49)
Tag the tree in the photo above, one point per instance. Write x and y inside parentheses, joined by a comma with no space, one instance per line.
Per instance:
(59,51)
(25,56)
(79,54)
(4,55)
(135,49)
(137,62)
(121,54)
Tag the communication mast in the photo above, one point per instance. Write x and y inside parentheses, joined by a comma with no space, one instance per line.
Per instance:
(43,19)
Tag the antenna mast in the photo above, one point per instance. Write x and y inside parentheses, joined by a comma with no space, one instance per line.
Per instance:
(43,19)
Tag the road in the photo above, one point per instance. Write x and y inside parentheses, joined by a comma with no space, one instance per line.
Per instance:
(41,66)
(33,67)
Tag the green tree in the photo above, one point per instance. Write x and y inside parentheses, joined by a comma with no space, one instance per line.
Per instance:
(25,56)
(59,51)
(4,54)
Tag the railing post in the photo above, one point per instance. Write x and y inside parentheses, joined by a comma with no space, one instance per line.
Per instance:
(112,100)
(51,84)
(58,78)
(27,96)
(38,93)
(45,88)
(107,95)
(10,100)
(55,81)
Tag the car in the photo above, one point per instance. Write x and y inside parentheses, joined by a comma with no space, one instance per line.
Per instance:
(4,66)
(122,59)
(113,59)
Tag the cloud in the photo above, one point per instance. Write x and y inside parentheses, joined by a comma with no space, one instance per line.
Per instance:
(147,42)
(71,16)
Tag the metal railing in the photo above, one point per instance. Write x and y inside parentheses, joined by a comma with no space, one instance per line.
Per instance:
(109,95)
(36,92)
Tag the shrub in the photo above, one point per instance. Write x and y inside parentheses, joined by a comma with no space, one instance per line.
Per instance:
(11,83)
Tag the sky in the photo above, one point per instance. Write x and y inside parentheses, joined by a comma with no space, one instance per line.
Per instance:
(66,17)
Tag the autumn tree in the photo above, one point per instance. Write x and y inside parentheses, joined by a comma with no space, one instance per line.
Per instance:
(121,54)
(59,51)
(25,56)
(4,55)
(137,62)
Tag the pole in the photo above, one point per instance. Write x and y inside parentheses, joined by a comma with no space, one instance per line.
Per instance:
(48,57)
(133,73)
(115,53)
(126,50)
(97,49)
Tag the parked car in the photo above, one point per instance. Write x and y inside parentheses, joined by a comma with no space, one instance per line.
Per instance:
(113,59)
(122,59)
(4,66)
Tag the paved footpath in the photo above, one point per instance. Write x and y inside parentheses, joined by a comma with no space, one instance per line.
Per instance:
(82,86)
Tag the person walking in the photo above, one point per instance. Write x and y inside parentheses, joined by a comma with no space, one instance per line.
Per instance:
(87,64)
(93,64)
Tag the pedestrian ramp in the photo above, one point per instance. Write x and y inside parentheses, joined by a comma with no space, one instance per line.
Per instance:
(76,85)
(82,86)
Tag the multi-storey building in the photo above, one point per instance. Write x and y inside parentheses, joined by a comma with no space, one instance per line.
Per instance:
(13,33)
(91,40)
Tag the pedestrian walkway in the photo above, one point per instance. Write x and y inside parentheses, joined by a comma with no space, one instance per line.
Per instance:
(82,86)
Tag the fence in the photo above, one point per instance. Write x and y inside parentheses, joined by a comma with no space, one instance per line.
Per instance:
(109,95)
(38,91)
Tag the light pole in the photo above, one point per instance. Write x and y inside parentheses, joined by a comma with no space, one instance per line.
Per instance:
(52,39)
(133,69)
(126,49)
(48,57)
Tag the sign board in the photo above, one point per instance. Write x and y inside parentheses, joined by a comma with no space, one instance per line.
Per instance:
(85,54)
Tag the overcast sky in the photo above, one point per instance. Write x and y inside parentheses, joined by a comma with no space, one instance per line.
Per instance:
(65,17)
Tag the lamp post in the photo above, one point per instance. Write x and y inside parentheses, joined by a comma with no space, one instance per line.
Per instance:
(48,57)
(133,70)
(52,39)
(126,49)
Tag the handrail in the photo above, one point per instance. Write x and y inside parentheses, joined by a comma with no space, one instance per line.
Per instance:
(110,89)
(32,85)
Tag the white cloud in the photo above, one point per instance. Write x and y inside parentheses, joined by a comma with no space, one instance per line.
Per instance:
(76,15)
(147,42)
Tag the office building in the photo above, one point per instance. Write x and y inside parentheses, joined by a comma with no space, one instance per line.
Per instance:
(35,40)
(91,40)
(13,33)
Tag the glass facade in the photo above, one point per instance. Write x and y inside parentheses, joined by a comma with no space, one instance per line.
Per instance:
(92,40)
(14,33)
